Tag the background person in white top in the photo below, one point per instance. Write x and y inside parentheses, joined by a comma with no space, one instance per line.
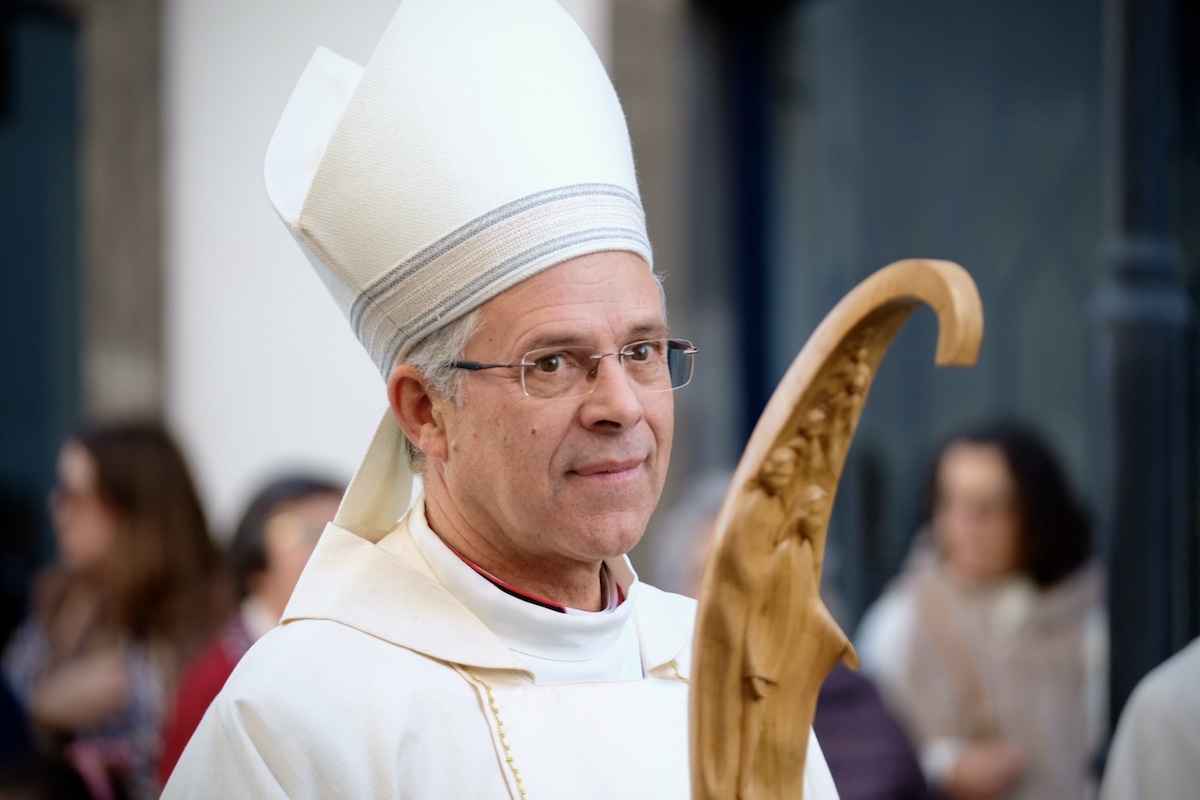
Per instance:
(1155,752)
(469,199)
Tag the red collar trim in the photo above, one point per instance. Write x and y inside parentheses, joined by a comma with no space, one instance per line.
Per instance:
(508,589)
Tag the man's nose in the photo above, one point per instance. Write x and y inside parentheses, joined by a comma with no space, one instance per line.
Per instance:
(614,401)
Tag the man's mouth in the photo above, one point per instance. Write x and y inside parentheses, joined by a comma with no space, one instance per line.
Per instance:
(612,467)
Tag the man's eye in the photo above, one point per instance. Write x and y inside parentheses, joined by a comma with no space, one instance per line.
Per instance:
(550,363)
(642,351)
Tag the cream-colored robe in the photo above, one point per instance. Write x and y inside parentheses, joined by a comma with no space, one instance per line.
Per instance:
(380,683)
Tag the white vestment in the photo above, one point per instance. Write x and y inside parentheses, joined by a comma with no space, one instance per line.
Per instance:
(381,682)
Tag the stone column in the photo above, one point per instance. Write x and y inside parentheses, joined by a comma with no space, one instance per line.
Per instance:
(122,353)
(1145,415)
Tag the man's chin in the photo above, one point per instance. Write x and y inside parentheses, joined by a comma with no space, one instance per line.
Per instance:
(609,538)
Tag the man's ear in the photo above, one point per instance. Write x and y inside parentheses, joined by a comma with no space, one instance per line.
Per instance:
(418,410)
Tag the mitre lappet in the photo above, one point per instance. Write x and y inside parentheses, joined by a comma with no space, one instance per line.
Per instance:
(482,144)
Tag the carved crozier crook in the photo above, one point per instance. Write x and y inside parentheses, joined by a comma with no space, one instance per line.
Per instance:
(764,639)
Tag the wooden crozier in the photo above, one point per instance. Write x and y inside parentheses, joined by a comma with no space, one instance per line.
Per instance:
(764,640)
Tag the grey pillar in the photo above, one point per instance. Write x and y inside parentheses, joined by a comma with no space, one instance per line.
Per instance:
(1143,398)
(122,208)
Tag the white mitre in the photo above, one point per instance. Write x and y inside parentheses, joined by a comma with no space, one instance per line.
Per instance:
(482,144)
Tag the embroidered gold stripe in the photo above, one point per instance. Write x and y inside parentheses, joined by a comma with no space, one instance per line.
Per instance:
(508,757)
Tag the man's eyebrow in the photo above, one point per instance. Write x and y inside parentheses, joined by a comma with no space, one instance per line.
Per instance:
(650,330)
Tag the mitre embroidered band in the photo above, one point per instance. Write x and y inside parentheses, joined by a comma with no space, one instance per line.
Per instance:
(482,144)
(486,256)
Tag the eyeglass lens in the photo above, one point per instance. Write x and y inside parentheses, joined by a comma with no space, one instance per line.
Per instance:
(657,365)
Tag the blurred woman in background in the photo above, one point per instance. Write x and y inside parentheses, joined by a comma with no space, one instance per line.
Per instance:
(991,645)
(133,596)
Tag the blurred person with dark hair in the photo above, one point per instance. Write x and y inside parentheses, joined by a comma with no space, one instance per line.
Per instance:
(991,645)
(134,595)
(273,542)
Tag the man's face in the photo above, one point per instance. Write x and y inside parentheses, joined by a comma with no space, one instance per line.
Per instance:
(566,479)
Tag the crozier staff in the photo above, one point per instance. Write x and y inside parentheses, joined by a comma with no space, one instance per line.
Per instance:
(469,199)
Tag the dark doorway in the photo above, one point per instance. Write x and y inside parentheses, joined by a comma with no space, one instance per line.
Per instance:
(39,277)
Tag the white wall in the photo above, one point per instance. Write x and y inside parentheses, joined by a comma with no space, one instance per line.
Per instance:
(263,372)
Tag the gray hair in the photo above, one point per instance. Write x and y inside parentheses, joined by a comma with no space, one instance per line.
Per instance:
(433,355)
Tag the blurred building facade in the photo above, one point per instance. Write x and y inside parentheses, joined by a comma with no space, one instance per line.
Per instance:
(1052,149)
(785,151)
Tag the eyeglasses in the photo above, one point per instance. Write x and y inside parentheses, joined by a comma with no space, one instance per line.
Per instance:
(655,365)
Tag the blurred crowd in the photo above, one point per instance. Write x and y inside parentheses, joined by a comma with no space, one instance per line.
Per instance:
(984,661)
(129,634)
